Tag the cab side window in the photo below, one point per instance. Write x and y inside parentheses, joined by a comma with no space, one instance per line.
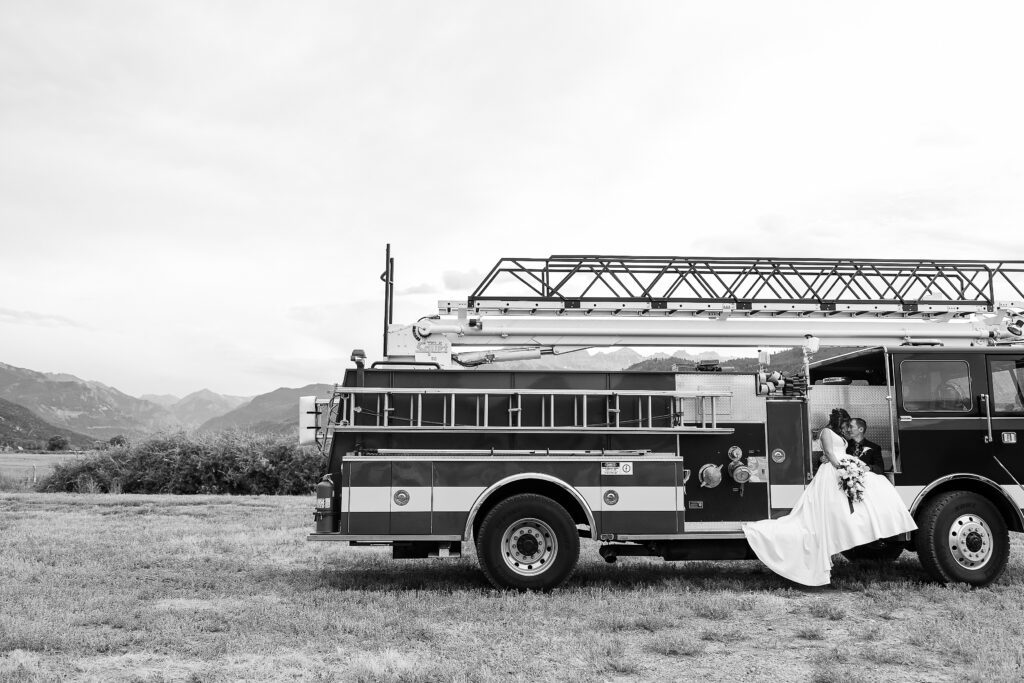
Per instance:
(1008,386)
(936,386)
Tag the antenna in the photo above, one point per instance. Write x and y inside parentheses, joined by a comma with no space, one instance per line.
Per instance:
(388,278)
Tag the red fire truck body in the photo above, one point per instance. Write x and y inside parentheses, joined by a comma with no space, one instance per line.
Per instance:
(524,463)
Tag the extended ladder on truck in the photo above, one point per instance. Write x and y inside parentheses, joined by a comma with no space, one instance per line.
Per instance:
(584,301)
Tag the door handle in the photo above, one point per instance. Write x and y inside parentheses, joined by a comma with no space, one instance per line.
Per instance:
(906,418)
(988,417)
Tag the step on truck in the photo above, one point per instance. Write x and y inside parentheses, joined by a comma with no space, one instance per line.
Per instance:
(433,448)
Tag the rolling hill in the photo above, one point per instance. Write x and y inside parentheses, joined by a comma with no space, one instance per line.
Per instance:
(165,400)
(19,426)
(82,406)
(101,411)
(276,412)
(203,405)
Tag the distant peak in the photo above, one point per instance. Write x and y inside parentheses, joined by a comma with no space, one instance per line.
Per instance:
(202,393)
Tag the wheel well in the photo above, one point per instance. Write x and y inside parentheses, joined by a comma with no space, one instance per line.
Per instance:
(539,487)
(1010,514)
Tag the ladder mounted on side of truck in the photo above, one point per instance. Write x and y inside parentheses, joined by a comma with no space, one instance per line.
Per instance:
(533,411)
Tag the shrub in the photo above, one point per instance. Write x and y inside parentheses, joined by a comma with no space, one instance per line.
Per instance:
(57,443)
(225,462)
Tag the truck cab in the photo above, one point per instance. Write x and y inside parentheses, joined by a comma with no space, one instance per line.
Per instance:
(949,421)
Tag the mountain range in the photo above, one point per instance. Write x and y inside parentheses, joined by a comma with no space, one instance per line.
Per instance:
(276,412)
(20,427)
(83,406)
(100,411)
(200,406)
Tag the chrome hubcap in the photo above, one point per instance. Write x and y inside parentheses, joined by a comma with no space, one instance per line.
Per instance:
(529,546)
(970,541)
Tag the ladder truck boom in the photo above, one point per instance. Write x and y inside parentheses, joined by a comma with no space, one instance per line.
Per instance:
(588,301)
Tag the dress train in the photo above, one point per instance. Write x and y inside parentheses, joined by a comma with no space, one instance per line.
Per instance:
(800,545)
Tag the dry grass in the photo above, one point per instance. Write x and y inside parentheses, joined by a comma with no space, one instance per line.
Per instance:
(216,588)
(826,610)
(21,471)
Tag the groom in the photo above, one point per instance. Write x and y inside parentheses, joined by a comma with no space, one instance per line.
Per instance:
(859,446)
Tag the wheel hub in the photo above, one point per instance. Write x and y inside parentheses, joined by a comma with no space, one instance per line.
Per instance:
(970,541)
(529,546)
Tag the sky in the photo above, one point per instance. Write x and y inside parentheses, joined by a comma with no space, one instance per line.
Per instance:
(198,194)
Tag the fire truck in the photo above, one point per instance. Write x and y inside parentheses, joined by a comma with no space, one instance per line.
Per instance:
(432,448)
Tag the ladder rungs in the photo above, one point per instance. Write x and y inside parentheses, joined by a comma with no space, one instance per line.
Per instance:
(343,411)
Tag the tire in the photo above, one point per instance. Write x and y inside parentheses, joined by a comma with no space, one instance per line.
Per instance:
(961,537)
(528,542)
(882,550)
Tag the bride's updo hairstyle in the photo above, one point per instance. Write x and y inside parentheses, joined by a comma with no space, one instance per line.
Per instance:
(837,417)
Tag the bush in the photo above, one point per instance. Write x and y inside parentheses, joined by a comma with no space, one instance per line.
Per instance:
(226,462)
(56,443)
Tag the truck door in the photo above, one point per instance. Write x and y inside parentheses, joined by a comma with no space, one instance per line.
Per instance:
(941,419)
(789,453)
(1006,377)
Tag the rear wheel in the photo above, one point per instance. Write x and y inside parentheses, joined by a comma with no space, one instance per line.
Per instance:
(962,537)
(882,550)
(528,542)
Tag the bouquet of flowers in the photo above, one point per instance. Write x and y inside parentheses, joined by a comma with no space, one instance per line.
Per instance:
(851,479)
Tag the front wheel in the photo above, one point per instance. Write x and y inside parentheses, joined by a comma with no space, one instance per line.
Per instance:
(962,537)
(528,542)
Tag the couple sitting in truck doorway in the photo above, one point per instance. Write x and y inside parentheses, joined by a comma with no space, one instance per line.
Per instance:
(823,522)
(859,446)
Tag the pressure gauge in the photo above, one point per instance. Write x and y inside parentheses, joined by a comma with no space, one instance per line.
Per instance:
(740,473)
(710,476)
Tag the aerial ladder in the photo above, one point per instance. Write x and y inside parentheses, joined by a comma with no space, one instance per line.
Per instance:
(527,307)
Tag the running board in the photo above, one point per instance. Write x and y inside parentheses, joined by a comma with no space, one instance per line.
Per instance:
(379,539)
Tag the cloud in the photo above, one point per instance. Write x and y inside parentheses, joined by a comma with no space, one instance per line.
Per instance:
(462,279)
(8,315)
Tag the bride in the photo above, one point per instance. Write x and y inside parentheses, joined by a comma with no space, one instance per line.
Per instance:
(800,545)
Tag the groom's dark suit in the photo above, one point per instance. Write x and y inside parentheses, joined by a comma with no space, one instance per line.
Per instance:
(869,452)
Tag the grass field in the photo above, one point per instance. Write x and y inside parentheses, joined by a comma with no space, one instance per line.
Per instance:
(16,469)
(216,588)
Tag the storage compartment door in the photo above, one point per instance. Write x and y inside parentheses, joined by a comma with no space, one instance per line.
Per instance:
(638,497)
(369,499)
(410,497)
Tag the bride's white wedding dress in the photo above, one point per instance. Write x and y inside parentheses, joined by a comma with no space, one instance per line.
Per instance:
(800,545)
